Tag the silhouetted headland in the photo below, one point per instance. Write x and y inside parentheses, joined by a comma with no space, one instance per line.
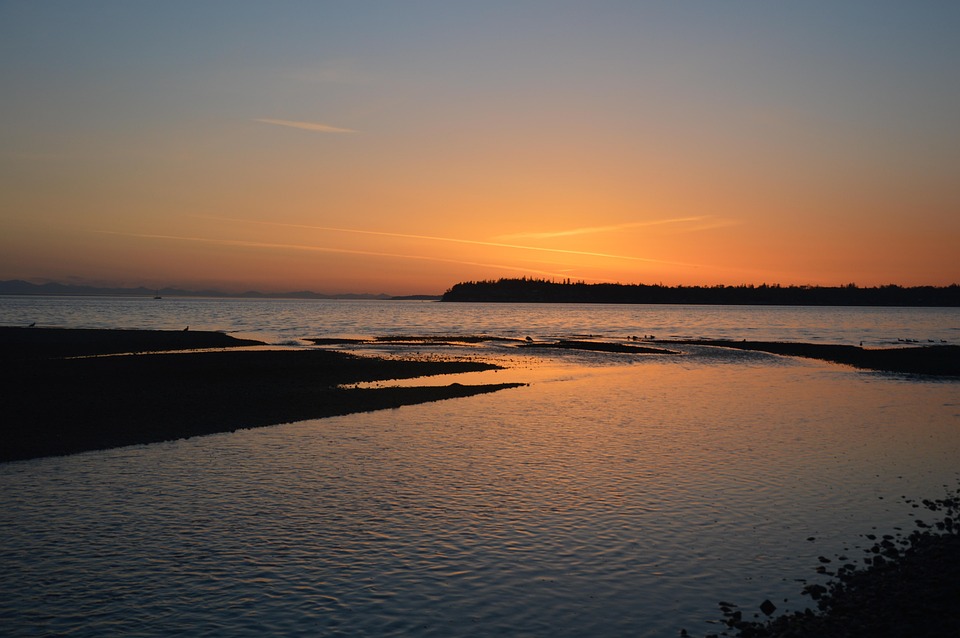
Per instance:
(526,290)
(62,397)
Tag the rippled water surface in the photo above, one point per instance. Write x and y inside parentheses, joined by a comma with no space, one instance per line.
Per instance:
(615,495)
(278,320)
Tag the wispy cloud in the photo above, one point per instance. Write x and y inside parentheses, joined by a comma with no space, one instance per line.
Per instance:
(709,223)
(323,249)
(316,127)
(606,229)
(474,242)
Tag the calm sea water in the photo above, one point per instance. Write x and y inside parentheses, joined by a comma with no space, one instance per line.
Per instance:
(278,321)
(616,495)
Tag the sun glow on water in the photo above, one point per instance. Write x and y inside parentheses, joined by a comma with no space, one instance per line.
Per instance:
(615,494)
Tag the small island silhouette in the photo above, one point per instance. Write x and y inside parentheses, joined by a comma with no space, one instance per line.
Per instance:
(532,290)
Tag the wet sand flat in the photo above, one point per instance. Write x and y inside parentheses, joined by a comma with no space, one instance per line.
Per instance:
(35,343)
(939,360)
(61,399)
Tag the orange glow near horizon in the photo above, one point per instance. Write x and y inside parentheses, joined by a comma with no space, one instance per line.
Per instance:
(587,146)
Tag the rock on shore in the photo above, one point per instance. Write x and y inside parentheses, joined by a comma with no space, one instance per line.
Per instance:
(905,587)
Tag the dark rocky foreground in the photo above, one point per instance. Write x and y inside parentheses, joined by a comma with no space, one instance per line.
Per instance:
(60,399)
(938,360)
(905,587)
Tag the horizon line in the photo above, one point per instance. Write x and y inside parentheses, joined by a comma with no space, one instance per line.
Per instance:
(101,286)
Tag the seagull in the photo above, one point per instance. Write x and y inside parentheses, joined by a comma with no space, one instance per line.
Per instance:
(32,324)
(187,328)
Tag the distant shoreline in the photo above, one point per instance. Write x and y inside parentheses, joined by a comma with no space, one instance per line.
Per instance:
(18,288)
(526,290)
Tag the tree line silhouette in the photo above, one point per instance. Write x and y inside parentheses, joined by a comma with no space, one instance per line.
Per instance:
(532,290)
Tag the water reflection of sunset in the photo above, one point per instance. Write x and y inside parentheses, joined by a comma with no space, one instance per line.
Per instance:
(624,501)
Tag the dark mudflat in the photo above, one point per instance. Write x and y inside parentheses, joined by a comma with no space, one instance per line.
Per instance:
(32,343)
(597,346)
(939,360)
(438,340)
(55,405)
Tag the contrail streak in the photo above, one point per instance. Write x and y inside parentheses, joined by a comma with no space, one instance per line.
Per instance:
(473,242)
(306,126)
(605,229)
(323,249)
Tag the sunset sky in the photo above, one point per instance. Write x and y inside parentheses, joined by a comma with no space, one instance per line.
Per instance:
(404,146)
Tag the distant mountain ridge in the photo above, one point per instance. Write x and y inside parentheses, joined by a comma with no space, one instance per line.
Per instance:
(526,290)
(20,287)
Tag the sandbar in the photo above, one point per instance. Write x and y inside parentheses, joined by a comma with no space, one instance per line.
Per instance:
(69,391)
(936,360)
(597,346)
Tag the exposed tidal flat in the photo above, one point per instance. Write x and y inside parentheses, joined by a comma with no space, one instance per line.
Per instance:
(71,391)
(618,493)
